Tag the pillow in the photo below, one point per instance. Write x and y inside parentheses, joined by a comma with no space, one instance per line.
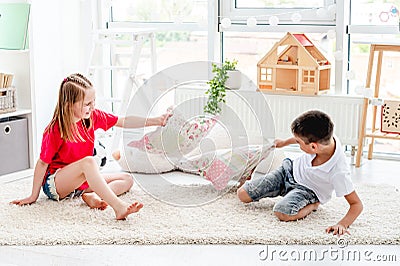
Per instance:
(179,136)
(218,138)
(138,161)
(223,165)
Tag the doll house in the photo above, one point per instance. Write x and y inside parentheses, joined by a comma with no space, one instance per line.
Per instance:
(294,65)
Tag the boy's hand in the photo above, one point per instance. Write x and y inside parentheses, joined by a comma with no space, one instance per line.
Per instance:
(279,143)
(337,229)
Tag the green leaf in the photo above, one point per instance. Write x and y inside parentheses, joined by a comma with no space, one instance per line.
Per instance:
(217,92)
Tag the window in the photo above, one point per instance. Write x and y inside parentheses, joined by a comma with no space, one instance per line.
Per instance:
(180,28)
(250,47)
(378,12)
(279,4)
(287,11)
(308,76)
(254,27)
(375,21)
(159,11)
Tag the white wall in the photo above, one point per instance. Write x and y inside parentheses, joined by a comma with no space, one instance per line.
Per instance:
(60,43)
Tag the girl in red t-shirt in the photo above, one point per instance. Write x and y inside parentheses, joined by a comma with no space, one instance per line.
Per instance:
(66,166)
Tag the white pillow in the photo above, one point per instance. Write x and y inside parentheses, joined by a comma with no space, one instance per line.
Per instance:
(271,162)
(138,161)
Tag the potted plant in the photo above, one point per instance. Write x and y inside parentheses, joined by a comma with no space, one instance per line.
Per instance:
(225,77)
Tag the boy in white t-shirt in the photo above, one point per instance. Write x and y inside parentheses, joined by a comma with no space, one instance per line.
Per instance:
(309,180)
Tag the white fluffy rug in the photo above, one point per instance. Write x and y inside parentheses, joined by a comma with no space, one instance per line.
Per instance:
(225,221)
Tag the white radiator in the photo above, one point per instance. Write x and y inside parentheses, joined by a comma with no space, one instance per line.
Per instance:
(251,109)
(345,111)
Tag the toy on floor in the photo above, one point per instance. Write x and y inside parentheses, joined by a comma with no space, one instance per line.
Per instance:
(99,153)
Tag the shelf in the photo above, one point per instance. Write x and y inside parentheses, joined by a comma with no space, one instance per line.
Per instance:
(19,62)
(381,135)
(6,51)
(11,177)
(16,113)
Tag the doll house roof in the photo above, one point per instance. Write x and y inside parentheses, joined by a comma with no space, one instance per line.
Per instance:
(294,49)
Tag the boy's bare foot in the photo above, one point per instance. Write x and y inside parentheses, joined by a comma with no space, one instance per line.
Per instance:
(128,209)
(94,201)
(315,206)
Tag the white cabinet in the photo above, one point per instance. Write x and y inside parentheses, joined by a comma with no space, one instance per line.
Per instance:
(19,63)
(17,131)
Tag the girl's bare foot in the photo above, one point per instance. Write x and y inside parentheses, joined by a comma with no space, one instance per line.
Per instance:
(94,201)
(127,209)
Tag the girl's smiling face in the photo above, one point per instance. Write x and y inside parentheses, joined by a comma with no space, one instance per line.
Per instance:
(83,110)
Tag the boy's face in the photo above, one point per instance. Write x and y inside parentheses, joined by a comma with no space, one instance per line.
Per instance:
(83,111)
(307,148)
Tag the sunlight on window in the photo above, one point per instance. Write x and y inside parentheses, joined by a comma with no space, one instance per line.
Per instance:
(388,87)
(159,10)
(279,4)
(378,12)
(249,48)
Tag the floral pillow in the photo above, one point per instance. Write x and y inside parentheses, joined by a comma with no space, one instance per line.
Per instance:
(179,136)
(223,165)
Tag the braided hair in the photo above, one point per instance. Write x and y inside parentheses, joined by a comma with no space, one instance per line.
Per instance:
(72,89)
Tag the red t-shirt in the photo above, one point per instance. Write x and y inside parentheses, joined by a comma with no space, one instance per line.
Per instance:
(58,152)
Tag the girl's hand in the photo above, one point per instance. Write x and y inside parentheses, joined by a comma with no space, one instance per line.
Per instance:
(28,200)
(162,120)
(337,229)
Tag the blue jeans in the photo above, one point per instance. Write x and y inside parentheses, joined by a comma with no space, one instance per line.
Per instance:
(49,188)
(280,182)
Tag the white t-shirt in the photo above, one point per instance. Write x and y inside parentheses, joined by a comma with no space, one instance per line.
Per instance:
(333,175)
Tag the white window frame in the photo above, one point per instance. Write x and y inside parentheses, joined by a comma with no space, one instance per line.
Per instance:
(374,29)
(226,8)
(211,29)
(239,15)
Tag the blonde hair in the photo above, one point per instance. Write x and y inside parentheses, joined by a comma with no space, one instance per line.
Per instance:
(72,90)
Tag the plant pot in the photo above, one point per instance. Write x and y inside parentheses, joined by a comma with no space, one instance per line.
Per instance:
(234,80)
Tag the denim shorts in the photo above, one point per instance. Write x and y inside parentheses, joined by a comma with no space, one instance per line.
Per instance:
(49,188)
(281,183)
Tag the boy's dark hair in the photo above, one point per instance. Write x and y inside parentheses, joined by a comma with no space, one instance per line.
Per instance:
(313,126)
